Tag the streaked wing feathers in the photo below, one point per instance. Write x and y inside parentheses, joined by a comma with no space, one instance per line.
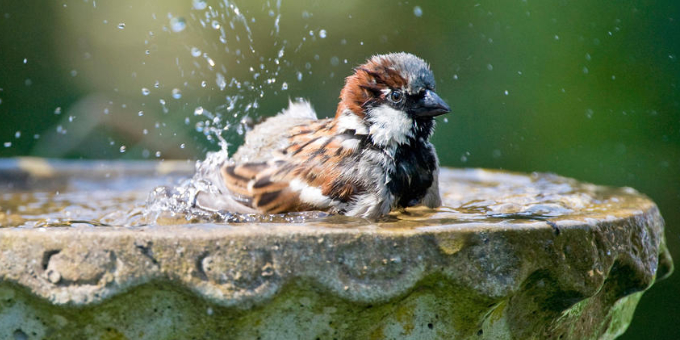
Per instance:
(255,185)
(306,175)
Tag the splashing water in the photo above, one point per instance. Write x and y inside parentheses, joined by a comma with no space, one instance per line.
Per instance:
(223,59)
(177,204)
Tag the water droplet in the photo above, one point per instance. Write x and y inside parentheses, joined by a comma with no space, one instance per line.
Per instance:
(322,34)
(557,37)
(489,67)
(178,24)
(74,73)
(195,52)
(216,25)
(299,76)
(176,93)
(157,84)
(123,149)
(158,153)
(204,83)
(221,82)
(121,25)
(455,77)
(588,56)
(284,86)
(8,144)
(446,120)
(140,113)
(57,111)
(417,11)
(585,70)
(25,61)
(145,131)
(145,91)
(200,4)
(335,61)
(589,113)
(198,111)
(182,146)
(17,134)
(506,92)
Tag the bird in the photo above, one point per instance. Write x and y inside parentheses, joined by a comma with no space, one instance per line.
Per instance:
(372,157)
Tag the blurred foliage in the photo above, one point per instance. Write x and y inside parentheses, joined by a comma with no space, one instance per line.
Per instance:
(586,89)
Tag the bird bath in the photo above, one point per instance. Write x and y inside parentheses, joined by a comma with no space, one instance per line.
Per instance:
(509,256)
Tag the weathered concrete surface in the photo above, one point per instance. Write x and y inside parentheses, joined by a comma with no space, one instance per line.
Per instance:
(576,276)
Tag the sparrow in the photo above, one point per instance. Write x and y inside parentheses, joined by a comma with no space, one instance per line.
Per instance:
(373,157)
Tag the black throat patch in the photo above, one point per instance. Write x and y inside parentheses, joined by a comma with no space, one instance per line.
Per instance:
(413,176)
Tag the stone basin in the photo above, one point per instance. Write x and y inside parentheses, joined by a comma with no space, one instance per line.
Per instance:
(509,256)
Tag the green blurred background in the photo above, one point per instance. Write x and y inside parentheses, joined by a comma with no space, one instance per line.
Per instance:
(585,89)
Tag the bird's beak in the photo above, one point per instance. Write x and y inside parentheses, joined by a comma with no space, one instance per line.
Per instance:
(430,105)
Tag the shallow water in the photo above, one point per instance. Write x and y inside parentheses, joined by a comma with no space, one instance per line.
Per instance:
(96,194)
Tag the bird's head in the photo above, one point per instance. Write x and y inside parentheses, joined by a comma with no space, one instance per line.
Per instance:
(394,96)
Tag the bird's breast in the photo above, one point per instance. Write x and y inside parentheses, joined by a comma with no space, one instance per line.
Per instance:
(413,174)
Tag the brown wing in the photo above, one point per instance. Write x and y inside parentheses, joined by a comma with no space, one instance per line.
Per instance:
(252,185)
(312,162)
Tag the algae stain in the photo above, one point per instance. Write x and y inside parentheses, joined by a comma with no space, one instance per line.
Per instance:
(405,316)
(498,312)
(7,293)
(378,333)
(450,244)
(112,334)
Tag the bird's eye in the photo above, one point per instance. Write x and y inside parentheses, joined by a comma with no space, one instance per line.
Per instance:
(396,96)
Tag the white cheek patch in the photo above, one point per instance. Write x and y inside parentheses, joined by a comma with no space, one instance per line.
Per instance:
(389,126)
(350,121)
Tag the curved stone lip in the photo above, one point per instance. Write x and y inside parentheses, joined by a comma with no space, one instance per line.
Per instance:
(243,265)
(177,254)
